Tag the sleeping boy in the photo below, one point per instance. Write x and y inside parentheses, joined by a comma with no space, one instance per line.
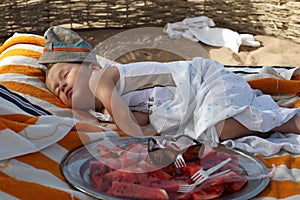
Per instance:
(198,97)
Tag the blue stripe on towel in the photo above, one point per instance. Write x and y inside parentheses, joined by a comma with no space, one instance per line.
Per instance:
(22,103)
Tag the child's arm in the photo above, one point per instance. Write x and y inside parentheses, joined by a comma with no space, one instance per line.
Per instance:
(103,86)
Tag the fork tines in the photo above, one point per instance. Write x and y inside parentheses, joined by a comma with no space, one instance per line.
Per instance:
(179,162)
(204,174)
(186,188)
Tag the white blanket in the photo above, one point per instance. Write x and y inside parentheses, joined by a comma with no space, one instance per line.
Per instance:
(207,94)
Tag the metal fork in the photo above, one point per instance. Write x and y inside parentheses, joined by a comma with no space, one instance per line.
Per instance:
(187,188)
(179,162)
(201,175)
(159,158)
(177,154)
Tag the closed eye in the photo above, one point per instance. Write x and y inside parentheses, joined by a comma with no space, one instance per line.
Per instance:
(66,74)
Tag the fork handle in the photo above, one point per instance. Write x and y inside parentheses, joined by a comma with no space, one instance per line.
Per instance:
(219,174)
(218,166)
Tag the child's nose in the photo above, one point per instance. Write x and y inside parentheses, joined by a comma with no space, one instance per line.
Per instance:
(63,86)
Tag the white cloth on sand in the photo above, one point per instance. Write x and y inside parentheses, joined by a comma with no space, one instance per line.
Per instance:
(203,29)
(275,143)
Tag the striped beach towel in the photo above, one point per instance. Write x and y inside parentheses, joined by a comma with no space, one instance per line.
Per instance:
(29,113)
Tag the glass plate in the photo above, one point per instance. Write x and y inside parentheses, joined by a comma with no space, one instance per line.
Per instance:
(75,168)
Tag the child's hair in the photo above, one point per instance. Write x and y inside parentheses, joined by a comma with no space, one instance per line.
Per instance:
(50,65)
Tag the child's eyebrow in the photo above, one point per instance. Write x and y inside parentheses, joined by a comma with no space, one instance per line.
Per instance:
(56,83)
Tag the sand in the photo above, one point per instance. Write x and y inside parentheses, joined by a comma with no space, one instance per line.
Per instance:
(130,45)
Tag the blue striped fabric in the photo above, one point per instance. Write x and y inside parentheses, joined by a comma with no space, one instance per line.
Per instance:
(246,70)
(22,103)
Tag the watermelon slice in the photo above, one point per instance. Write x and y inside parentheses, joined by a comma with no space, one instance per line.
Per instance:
(191,169)
(209,193)
(135,177)
(231,181)
(99,181)
(159,174)
(171,185)
(127,177)
(135,191)
(96,165)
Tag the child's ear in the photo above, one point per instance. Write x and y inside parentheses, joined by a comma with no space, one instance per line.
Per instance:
(94,67)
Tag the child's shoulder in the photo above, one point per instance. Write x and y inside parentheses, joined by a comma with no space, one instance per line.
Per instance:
(107,73)
(145,67)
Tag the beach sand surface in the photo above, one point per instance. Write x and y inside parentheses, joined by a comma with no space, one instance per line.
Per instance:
(273,51)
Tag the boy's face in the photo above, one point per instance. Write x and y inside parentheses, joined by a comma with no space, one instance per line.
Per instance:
(70,82)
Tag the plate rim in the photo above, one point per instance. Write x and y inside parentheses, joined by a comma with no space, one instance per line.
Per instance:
(96,194)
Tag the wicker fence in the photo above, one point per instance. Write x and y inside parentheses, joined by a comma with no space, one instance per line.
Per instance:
(271,17)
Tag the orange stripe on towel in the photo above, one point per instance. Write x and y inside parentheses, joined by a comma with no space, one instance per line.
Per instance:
(23,40)
(297,103)
(28,190)
(23,70)
(72,141)
(287,160)
(34,91)
(276,86)
(285,188)
(281,189)
(16,122)
(3,175)
(21,52)
(296,78)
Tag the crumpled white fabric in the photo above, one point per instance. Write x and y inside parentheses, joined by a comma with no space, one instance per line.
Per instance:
(275,143)
(206,94)
(203,29)
(100,116)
